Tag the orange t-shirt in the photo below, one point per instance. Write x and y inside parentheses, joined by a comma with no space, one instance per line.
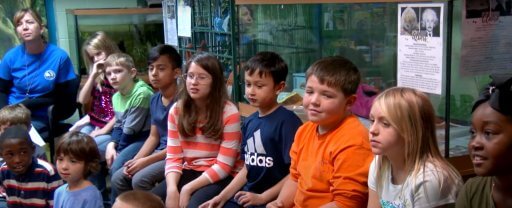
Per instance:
(332,167)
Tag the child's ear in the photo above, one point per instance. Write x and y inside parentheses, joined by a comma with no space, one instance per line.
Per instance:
(280,87)
(177,73)
(350,102)
(133,72)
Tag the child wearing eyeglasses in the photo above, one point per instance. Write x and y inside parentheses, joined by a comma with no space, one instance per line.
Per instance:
(490,147)
(204,138)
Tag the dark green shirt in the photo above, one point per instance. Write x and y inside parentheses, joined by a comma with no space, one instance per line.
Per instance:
(476,193)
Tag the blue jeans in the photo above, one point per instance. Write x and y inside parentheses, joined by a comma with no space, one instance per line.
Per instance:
(126,154)
(101,140)
(201,195)
(145,179)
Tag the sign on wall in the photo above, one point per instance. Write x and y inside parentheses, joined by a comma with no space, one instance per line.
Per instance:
(420,46)
(486,37)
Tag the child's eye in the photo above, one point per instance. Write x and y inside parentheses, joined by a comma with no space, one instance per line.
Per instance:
(488,134)
(472,133)
(328,96)
(8,155)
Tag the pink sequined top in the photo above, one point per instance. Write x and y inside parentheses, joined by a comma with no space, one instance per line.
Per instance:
(101,110)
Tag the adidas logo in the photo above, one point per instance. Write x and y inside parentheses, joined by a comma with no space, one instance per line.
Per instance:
(255,152)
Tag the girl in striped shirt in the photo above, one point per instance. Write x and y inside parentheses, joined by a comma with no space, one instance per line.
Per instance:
(203,145)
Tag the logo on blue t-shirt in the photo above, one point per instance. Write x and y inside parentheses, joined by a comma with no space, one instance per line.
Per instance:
(255,152)
(49,74)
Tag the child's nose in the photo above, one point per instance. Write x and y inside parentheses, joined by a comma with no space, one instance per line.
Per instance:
(475,143)
(250,90)
(373,130)
(315,99)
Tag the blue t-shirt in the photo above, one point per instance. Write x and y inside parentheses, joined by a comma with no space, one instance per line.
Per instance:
(159,113)
(88,197)
(34,75)
(266,147)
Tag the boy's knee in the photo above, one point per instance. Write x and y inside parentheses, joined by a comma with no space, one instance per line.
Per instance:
(118,178)
(142,182)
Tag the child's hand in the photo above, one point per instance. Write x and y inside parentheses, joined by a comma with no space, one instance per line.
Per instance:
(213,203)
(97,69)
(185,196)
(172,199)
(246,199)
(134,165)
(96,132)
(110,154)
(275,204)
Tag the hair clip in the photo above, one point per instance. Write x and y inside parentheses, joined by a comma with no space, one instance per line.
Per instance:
(492,89)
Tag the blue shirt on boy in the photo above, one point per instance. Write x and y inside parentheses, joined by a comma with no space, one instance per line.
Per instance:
(266,147)
(159,114)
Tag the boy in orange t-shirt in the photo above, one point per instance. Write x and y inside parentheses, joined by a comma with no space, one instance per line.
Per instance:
(331,153)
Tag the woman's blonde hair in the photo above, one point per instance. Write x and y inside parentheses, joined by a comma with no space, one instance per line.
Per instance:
(22,12)
(411,114)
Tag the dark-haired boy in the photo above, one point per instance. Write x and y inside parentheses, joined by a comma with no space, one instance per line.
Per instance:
(267,137)
(144,171)
(28,182)
(331,153)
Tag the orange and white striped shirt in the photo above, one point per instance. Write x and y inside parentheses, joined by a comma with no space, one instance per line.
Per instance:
(217,158)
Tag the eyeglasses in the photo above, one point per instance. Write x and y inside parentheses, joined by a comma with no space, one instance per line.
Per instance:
(201,78)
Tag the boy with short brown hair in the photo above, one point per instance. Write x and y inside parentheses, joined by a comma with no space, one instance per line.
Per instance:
(138,199)
(13,115)
(331,153)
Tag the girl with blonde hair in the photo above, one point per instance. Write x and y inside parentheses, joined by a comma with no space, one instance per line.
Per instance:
(97,92)
(409,170)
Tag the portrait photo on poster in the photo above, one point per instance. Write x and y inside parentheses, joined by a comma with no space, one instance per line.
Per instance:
(409,20)
(429,21)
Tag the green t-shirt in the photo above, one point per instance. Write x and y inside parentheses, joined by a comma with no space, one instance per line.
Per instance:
(476,193)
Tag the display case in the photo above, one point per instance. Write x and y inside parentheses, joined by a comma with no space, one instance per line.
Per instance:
(135,30)
(205,26)
(366,33)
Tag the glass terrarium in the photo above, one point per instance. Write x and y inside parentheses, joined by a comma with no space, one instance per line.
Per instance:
(134,30)
(366,33)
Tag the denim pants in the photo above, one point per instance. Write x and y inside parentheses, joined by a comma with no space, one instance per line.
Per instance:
(126,154)
(101,140)
(145,179)
(201,195)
